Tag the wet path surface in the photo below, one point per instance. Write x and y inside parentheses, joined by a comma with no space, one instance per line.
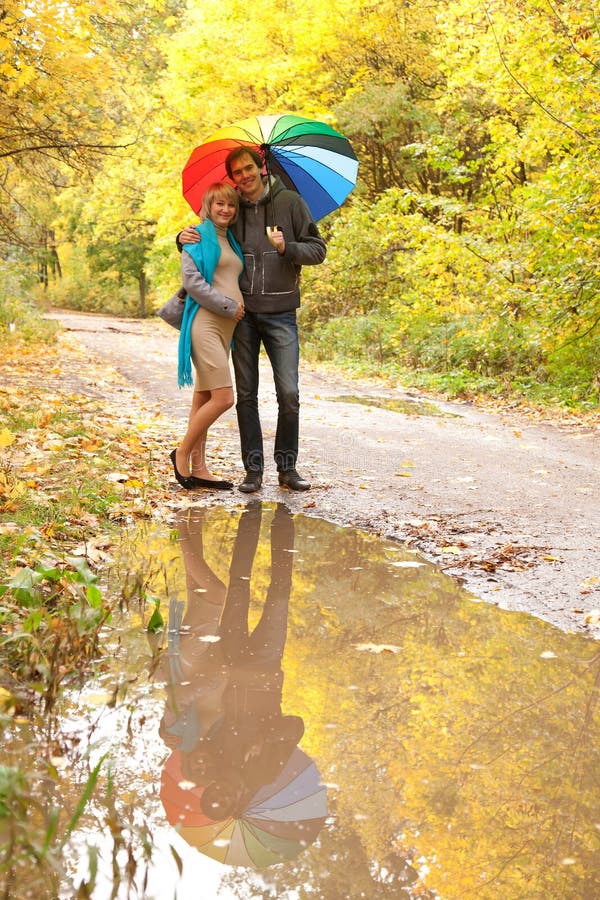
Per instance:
(323,714)
(507,504)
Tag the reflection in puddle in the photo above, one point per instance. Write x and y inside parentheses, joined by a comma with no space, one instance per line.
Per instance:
(236,785)
(408,407)
(332,716)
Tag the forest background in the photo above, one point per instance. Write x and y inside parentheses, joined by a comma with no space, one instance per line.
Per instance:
(466,260)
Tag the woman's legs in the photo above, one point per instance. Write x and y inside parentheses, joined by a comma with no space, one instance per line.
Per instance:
(207,406)
(197,459)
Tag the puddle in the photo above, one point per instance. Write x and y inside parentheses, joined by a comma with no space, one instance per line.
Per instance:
(324,714)
(408,407)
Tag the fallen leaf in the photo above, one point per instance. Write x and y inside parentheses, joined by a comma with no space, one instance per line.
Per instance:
(156,622)
(6,438)
(378,648)
(186,785)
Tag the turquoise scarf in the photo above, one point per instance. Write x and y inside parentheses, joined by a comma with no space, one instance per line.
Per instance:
(206,254)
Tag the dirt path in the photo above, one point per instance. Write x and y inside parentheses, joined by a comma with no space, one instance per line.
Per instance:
(506,504)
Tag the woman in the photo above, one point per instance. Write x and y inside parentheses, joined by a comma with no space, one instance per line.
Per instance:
(210,272)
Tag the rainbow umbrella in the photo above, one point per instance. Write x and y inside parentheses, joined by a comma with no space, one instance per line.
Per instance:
(179,796)
(281,819)
(310,157)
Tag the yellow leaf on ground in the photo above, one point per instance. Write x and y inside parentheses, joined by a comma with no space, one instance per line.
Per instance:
(6,438)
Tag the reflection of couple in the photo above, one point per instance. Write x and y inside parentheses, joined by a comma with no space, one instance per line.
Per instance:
(236,276)
(235,753)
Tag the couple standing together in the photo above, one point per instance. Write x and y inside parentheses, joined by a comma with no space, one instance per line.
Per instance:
(243,283)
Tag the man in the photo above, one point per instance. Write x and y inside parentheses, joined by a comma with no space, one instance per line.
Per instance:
(270,288)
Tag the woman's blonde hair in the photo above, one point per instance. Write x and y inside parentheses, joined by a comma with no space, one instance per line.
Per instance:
(220,190)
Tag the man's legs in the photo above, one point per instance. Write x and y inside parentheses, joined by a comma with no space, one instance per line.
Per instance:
(233,628)
(246,349)
(280,337)
(267,641)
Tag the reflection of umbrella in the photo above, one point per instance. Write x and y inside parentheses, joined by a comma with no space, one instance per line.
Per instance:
(280,820)
(309,157)
(180,798)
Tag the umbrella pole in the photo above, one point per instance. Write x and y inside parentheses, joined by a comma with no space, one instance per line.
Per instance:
(272,228)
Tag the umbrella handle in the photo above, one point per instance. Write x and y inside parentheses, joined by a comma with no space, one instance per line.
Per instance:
(270,231)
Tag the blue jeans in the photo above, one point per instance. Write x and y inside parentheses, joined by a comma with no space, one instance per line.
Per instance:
(279,334)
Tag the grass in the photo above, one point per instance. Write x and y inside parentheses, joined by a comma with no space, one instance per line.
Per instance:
(72,470)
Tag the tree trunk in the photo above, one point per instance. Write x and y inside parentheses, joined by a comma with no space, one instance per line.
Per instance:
(142,284)
(54,260)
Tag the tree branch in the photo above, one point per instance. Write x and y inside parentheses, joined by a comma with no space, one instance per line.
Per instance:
(66,146)
(527,92)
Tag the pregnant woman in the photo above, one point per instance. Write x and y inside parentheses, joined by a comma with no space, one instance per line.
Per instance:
(210,271)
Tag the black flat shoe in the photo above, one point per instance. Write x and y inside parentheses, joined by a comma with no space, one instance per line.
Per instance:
(211,485)
(185,482)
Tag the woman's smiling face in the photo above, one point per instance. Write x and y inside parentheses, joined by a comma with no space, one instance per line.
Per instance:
(222,211)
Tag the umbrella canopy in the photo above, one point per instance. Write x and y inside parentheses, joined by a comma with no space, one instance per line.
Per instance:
(310,157)
(181,797)
(281,819)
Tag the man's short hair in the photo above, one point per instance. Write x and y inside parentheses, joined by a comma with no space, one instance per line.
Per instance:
(239,151)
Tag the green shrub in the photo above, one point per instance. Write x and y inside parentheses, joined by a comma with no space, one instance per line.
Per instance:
(368,340)
(20,313)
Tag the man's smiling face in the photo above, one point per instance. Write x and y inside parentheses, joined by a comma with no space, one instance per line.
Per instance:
(246,176)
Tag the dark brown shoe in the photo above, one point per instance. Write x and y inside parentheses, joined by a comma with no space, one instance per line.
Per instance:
(251,483)
(290,478)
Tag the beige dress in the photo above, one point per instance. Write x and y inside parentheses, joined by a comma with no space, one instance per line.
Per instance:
(211,333)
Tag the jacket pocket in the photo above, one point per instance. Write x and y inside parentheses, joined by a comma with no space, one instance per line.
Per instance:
(247,279)
(280,276)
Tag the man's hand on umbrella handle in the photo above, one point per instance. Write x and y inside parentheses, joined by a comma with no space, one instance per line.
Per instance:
(189,235)
(276,238)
